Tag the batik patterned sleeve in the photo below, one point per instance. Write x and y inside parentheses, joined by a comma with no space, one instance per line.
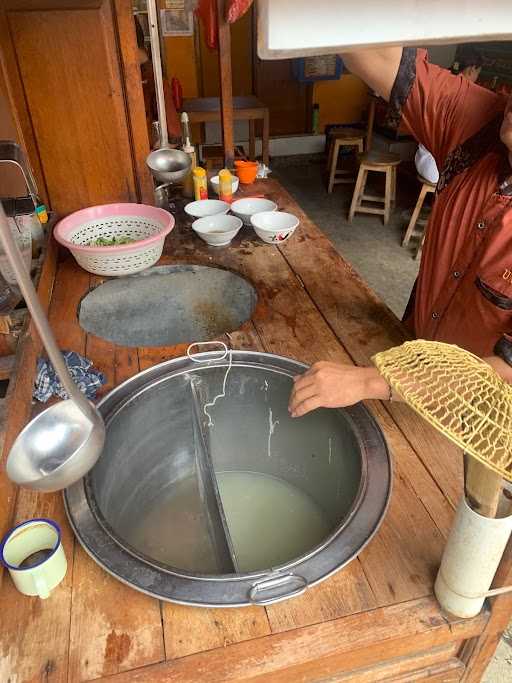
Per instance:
(439,109)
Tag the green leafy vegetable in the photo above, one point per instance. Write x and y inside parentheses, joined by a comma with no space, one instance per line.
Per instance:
(111,241)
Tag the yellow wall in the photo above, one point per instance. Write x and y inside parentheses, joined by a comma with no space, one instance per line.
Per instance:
(241,60)
(199,74)
(181,63)
(342,101)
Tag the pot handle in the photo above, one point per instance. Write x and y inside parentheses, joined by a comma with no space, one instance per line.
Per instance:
(277,588)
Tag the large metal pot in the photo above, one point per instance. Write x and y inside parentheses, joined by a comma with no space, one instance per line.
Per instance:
(150,511)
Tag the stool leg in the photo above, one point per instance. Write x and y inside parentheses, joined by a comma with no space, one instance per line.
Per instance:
(388,194)
(415,216)
(358,192)
(393,193)
(334,165)
(419,249)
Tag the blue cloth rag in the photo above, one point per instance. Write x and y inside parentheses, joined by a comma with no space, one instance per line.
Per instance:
(47,383)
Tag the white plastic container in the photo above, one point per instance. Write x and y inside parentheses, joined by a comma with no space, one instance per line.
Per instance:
(471,557)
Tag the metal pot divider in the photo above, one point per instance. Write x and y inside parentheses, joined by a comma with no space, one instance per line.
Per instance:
(218,527)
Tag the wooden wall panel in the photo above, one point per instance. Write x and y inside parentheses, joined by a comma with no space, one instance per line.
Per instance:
(11,179)
(69,65)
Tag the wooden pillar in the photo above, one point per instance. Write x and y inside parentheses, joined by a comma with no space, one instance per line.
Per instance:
(226,85)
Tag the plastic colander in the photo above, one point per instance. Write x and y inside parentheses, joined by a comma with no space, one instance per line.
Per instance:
(148,225)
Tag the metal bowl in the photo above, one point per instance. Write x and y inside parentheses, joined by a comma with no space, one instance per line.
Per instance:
(121,512)
(168,165)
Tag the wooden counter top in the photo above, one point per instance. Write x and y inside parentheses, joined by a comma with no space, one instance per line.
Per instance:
(376,620)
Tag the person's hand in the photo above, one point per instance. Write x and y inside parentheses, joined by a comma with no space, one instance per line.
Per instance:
(332,385)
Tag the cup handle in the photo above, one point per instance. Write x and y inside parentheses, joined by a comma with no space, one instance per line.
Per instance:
(41,587)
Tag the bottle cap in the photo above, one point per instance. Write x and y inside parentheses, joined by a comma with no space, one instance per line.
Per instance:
(225,173)
(199,171)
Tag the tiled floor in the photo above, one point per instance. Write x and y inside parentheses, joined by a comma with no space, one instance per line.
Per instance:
(372,248)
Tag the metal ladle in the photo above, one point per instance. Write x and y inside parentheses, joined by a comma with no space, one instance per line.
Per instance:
(167,165)
(61,444)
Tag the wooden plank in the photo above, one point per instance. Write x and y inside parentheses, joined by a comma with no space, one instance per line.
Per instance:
(450,672)
(226,84)
(113,627)
(135,99)
(18,105)
(34,632)
(347,592)
(316,652)
(7,365)
(19,392)
(86,125)
(190,630)
(33,617)
(404,666)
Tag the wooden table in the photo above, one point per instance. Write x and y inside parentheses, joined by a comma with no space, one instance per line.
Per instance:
(249,108)
(376,620)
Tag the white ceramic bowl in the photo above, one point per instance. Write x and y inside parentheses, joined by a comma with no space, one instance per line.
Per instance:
(274,227)
(206,207)
(247,207)
(218,230)
(215,183)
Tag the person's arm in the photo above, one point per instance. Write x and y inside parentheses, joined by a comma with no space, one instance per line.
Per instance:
(377,67)
(437,108)
(333,385)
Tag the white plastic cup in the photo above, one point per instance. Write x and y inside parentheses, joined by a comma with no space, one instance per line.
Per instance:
(471,557)
(22,541)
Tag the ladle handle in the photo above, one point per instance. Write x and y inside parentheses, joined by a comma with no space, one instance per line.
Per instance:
(157,71)
(39,318)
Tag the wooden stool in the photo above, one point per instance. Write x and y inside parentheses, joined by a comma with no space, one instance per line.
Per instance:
(380,162)
(426,187)
(352,138)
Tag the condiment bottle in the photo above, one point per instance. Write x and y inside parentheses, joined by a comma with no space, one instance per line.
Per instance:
(188,182)
(225,186)
(200,183)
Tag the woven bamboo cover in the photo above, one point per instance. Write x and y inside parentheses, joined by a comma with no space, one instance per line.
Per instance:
(459,394)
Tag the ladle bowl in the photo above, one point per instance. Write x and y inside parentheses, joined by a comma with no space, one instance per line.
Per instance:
(168,165)
(61,444)
(56,448)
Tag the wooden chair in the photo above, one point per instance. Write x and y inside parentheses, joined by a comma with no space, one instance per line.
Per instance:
(379,162)
(426,187)
(213,156)
(354,138)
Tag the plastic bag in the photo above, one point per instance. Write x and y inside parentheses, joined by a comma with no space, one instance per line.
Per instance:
(207,12)
(236,9)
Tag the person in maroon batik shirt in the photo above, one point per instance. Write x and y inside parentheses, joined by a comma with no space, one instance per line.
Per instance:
(463,294)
